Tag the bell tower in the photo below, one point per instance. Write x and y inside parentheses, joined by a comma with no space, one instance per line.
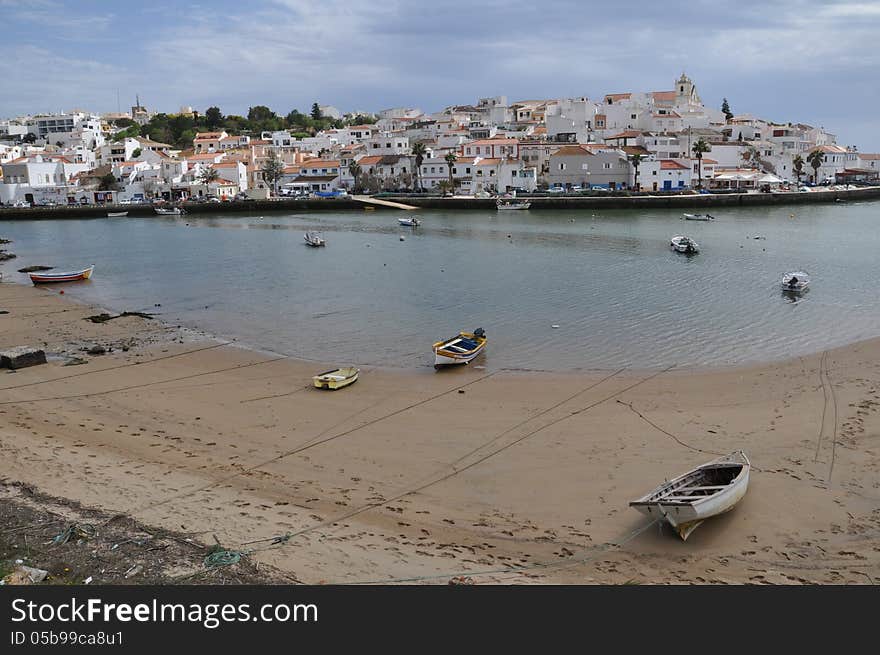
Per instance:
(686,92)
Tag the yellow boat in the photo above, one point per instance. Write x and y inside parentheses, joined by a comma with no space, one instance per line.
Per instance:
(337,378)
(460,349)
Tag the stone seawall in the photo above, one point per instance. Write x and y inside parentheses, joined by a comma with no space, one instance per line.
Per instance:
(692,201)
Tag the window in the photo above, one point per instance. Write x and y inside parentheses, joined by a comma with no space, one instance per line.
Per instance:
(632,117)
(467,170)
(562,165)
(606,166)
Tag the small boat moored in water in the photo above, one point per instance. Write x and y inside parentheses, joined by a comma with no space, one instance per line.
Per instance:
(69,276)
(701,493)
(699,217)
(409,222)
(685,244)
(337,378)
(116,214)
(460,349)
(504,204)
(169,211)
(314,239)
(796,281)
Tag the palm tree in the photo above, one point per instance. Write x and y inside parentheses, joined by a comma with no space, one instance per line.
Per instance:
(798,165)
(636,162)
(699,148)
(450,160)
(209,175)
(419,151)
(355,170)
(816,159)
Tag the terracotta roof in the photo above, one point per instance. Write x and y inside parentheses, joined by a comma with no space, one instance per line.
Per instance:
(663,96)
(869,156)
(618,96)
(636,150)
(706,160)
(488,161)
(626,134)
(369,160)
(569,151)
(492,142)
(361,127)
(226,164)
(205,155)
(321,163)
(208,136)
(671,165)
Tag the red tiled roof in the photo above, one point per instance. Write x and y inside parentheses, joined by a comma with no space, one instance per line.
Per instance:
(663,96)
(671,165)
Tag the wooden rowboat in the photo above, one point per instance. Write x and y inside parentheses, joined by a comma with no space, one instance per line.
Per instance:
(69,276)
(708,490)
(460,349)
(337,378)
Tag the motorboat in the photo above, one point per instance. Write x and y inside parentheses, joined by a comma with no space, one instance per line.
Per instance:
(169,211)
(314,239)
(460,349)
(699,217)
(685,244)
(116,214)
(409,222)
(336,379)
(795,281)
(703,492)
(503,204)
(68,276)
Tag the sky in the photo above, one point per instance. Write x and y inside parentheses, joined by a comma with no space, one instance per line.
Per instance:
(808,61)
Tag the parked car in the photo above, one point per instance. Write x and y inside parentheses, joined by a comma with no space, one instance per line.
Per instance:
(556,189)
(213,199)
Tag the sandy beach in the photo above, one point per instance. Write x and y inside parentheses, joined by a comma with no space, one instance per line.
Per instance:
(423,476)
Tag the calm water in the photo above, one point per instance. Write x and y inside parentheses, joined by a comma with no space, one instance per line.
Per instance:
(620,296)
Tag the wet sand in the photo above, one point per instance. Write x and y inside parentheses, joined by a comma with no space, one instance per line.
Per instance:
(522,478)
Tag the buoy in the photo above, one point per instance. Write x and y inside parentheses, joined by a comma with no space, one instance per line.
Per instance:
(61,292)
(402,238)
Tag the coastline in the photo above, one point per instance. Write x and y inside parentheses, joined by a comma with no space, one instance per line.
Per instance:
(523,478)
(610,201)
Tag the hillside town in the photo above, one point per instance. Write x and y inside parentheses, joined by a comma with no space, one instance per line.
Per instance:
(650,142)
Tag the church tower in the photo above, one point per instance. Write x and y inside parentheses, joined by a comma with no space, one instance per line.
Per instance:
(686,92)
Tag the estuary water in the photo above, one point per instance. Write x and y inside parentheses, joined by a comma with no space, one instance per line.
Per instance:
(608,279)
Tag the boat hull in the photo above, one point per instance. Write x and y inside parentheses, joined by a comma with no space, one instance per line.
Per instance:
(521,206)
(444,355)
(52,278)
(336,379)
(685,517)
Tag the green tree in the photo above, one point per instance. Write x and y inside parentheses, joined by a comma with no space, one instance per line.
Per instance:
(209,176)
(698,149)
(259,114)
(272,171)
(213,118)
(419,151)
(798,164)
(316,112)
(636,161)
(816,159)
(354,170)
(108,183)
(136,153)
(725,109)
(30,137)
(450,161)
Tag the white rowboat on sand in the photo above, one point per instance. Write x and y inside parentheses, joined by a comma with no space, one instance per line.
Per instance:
(701,493)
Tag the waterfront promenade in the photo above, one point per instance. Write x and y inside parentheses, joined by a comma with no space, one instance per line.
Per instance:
(610,201)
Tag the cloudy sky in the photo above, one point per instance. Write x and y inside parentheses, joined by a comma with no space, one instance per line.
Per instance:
(810,61)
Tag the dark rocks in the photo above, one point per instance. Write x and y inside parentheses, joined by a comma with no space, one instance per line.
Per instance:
(21,357)
(97,350)
(104,317)
(6,255)
(34,269)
